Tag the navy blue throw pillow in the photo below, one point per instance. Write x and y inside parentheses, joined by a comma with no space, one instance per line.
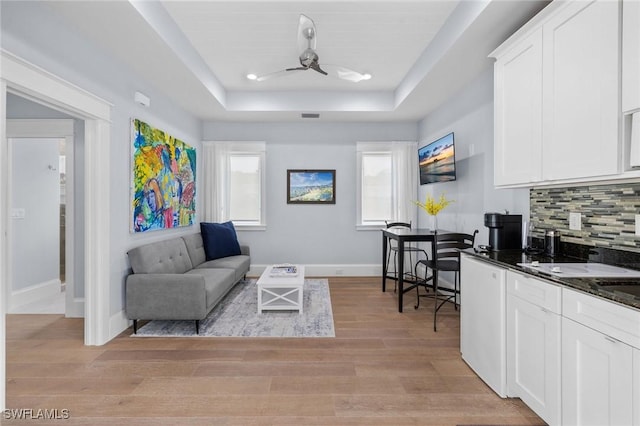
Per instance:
(220,240)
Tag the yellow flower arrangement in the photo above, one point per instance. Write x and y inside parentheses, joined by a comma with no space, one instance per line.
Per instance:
(433,207)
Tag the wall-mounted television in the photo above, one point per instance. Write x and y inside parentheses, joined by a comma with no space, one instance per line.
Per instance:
(437,161)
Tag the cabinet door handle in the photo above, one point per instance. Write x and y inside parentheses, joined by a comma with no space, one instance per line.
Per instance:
(545,310)
(611,339)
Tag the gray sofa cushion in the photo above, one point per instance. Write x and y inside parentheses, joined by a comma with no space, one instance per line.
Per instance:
(240,264)
(195,247)
(162,257)
(216,283)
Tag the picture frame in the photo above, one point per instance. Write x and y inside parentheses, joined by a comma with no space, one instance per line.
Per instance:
(311,186)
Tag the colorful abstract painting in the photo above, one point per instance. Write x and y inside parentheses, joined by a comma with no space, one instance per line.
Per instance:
(164,180)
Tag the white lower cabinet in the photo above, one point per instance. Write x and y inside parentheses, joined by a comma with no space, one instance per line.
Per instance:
(533,349)
(597,388)
(636,387)
(598,361)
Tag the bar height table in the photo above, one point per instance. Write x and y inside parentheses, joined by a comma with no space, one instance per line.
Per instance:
(403,236)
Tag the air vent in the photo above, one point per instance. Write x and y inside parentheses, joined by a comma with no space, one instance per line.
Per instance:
(310,115)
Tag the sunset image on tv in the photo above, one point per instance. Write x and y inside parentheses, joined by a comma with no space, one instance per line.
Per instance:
(437,161)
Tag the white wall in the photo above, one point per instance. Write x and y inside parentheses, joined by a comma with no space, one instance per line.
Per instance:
(312,234)
(35,189)
(469,115)
(33,31)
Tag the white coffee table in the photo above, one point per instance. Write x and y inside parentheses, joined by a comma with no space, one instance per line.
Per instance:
(280,293)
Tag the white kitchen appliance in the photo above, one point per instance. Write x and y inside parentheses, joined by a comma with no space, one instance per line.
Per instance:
(483,321)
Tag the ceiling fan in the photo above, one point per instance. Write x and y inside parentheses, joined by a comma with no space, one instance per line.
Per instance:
(309,59)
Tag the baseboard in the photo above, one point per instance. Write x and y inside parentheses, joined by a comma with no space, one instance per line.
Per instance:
(33,294)
(118,323)
(337,270)
(74,308)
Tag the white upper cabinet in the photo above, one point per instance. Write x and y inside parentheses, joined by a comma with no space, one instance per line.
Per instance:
(518,112)
(630,55)
(631,81)
(557,97)
(580,92)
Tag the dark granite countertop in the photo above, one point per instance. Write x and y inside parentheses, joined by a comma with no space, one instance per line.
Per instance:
(624,291)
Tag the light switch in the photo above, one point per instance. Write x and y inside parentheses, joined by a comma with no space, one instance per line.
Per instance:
(575,221)
(17,213)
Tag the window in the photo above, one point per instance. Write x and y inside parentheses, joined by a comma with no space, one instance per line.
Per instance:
(387,183)
(235,184)
(376,187)
(245,188)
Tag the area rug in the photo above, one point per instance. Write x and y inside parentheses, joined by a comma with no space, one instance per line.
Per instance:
(237,316)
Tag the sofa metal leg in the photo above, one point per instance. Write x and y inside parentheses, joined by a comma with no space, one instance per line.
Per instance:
(135,326)
(197,326)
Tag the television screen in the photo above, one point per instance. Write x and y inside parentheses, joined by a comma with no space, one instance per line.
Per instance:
(437,161)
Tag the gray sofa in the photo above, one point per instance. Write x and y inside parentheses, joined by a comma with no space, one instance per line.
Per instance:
(172,280)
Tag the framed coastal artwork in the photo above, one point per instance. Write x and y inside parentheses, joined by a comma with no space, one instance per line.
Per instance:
(163,191)
(311,186)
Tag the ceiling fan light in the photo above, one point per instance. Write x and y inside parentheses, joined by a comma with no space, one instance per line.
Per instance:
(252,77)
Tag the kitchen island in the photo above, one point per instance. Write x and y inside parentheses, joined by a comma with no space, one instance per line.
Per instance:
(568,347)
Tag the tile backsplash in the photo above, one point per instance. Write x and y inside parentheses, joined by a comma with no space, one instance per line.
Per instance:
(608,214)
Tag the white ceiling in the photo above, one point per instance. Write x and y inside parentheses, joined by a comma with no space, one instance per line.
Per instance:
(199,52)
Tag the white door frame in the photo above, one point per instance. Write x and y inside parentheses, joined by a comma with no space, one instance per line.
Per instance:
(33,82)
(53,128)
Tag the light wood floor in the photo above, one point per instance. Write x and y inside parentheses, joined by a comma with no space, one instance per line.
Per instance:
(383,368)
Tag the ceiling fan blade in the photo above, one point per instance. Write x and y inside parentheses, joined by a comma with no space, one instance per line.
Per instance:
(316,67)
(307,34)
(271,75)
(344,73)
(297,69)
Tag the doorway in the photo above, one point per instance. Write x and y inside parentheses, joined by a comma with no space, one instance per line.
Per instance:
(32,82)
(43,221)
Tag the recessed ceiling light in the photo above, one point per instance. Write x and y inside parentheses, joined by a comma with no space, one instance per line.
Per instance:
(366,76)
(252,76)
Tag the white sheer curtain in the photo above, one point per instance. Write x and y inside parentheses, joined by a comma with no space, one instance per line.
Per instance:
(216,155)
(219,182)
(404,180)
(405,185)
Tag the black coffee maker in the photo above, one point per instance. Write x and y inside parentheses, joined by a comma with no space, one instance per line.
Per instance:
(505,230)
